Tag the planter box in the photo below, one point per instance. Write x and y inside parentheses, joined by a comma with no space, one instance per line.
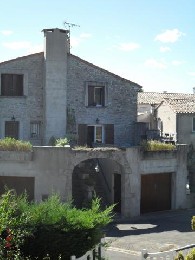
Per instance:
(159,155)
(16,156)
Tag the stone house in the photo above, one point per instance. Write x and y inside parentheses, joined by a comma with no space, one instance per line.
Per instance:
(55,93)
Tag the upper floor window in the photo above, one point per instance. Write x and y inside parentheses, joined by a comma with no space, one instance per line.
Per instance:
(193,124)
(96,95)
(11,85)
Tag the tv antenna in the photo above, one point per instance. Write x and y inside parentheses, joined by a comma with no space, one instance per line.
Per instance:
(68,26)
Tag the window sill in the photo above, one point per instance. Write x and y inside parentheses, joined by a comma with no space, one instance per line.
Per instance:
(12,96)
(95,106)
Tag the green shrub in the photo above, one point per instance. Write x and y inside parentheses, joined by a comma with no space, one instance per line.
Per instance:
(69,139)
(51,227)
(11,144)
(154,145)
(189,256)
(62,142)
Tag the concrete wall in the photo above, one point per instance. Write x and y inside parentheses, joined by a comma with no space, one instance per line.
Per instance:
(52,168)
(185,134)
(168,118)
(55,94)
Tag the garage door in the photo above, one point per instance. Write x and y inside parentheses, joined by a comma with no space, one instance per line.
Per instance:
(19,184)
(155,192)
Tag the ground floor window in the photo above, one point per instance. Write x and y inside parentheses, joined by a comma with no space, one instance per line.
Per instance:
(12,129)
(95,134)
(35,129)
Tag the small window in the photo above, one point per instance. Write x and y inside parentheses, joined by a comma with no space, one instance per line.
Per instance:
(35,132)
(96,96)
(193,124)
(12,129)
(11,85)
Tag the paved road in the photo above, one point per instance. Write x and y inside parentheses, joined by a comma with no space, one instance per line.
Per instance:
(155,232)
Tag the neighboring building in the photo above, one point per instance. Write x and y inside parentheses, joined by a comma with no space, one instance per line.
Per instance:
(172,115)
(55,93)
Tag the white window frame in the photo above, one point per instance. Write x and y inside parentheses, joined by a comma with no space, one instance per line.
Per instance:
(96,85)
(95,131)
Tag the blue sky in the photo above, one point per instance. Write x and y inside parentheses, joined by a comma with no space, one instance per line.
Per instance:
(150,42)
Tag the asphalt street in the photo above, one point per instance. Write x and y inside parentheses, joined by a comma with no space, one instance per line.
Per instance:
(155,232)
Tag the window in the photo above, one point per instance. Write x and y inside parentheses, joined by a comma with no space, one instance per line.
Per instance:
(89,134)
(12,129)
(193,124)
(35,130)
(11,85)
(98,137)
(96,96)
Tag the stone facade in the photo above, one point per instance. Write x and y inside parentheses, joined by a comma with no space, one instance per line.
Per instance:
(28,107)
(55,96)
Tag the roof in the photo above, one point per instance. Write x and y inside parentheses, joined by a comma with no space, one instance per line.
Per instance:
(22,58)
(179,102)
(86,62)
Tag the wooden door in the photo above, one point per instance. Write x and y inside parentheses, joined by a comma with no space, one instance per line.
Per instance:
(155,192)
(117,192)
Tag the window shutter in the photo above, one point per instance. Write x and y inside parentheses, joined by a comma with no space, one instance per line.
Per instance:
(82,133)
(103,96)
(11,85)
(90,96)
(18,84)
(6,84)
(109,134)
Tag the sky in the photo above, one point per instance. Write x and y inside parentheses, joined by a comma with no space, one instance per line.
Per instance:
(150,42)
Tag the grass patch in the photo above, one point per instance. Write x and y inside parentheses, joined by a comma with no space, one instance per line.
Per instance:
(157,146)
(11,144)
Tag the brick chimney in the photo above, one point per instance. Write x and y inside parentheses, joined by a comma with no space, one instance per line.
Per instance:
(56,48)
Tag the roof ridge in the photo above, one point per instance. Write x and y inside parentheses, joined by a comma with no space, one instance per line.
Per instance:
(22,57)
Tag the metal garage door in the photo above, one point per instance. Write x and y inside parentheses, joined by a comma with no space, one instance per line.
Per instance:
(19,184)
(155,192)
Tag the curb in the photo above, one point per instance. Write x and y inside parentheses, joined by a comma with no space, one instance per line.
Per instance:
(125,251)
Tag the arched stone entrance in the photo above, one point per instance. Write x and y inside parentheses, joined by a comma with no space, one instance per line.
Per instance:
(99,177)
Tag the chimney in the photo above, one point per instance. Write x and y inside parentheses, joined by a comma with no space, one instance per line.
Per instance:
(56,49)
(56,43)
(193,90)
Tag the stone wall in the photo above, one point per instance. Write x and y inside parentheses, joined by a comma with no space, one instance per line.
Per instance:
(121,105)
(52,169)
(30,106)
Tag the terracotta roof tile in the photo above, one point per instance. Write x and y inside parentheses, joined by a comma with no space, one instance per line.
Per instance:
(179,102)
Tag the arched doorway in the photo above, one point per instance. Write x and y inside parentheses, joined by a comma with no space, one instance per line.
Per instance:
(99,177)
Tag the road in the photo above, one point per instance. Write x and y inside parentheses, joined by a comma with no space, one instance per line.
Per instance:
(155,232)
